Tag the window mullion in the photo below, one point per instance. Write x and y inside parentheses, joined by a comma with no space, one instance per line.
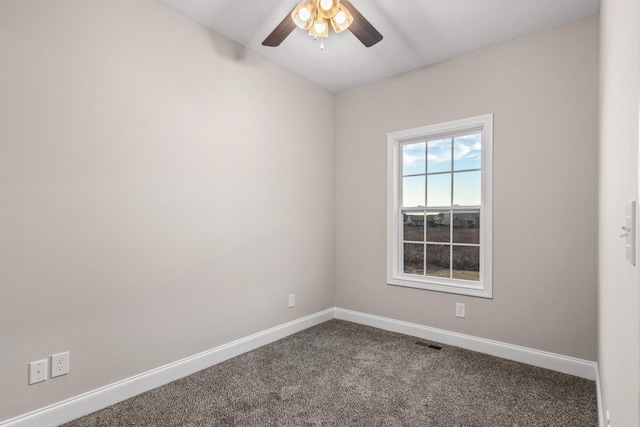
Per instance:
(451,212)
(452,169)
(426,195)
(451,243)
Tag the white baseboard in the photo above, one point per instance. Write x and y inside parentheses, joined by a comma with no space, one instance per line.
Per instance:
(565,364)
(87,403)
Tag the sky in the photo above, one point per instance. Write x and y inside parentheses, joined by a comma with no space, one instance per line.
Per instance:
(430,169)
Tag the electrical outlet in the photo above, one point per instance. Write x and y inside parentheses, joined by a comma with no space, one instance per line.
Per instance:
(608,420)
(38,371)
(59,364)
(460,309)
(292,300)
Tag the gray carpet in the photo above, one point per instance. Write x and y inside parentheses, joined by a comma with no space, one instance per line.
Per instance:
(343,374)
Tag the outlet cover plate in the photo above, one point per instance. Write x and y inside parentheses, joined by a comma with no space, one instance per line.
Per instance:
(630,228)
(38,371)
(59,364)
(460,309)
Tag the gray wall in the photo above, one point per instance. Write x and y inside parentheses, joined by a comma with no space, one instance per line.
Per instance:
(542,91)
(619,303)
(160,194)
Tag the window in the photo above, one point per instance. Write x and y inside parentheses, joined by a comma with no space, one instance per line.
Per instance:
(439,207)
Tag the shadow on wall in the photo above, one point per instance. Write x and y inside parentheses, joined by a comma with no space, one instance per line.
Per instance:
(231,50)
(234,52)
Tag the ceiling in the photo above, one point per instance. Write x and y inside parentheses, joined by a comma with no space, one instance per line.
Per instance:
(416,33)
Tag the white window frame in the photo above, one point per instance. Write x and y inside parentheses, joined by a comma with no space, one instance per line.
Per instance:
(395,275)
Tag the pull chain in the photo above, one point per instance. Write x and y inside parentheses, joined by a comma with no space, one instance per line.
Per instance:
(315,38)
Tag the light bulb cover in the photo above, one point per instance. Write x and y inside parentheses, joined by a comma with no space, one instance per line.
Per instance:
(326,4)
(320,27)
(341,20)
(329,12)
(304,14)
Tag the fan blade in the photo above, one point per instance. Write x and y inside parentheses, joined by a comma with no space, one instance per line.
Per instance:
(360,27)
(281,32)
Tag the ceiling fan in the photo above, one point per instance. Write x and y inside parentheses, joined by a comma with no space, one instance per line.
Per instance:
(315,16)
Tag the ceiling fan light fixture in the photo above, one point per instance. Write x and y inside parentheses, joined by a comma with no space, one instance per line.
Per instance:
(315,15)
(341,20)
(304,14)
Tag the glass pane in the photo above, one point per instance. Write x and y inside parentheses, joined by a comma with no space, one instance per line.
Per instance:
(413,258)
(467,188)
(467,152)
(438,227)
(439,155)
(413,226)
(466,227)
(466,263)
(439,190)
(414,158)
(438,260)
(413,191)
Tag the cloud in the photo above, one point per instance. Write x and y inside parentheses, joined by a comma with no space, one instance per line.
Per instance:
(439,151)
(467,147)
(414,154)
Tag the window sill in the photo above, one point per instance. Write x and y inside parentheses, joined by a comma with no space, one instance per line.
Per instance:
(451,286)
